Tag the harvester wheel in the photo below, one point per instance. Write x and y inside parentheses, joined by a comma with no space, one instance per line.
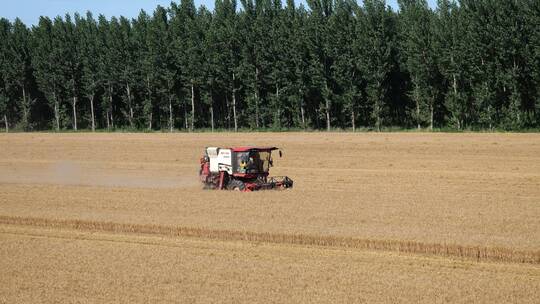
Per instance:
(236,185)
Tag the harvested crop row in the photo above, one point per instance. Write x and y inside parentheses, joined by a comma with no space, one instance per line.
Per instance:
(478,253)
(42,265)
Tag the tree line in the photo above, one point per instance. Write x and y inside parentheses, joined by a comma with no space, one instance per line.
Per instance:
(467,64)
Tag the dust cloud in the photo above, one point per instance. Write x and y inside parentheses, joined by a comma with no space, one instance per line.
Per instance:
(75,174)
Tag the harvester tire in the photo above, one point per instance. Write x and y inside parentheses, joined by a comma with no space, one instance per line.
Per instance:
(236,185)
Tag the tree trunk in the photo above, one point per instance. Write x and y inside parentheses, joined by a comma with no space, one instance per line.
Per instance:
(303,116)
(256,98)
(92,113)
(228,118)
(128,91)
(317,119)
(328,124)
(454,86)
(378,107)
(353,118)
(327,104)
(416,99)
(353,114)
(278,118)
(431,116)
(112,118)
(302,111)
(56,112)
(234,105)
(171,124)
(186,124)
(212,117)
(378,118)
(111,106)
(25,108)
(431,110)
(234,113)
(256,110)
(131,117)
(192,106)
(74,104)
(149,96)
(6,124)
(57,115)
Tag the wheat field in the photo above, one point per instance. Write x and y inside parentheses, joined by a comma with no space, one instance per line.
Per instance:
(414,217)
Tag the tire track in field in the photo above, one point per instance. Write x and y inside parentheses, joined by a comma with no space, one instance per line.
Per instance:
(478,253)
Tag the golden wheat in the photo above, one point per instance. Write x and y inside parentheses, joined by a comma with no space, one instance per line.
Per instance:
(95,209)
(467,189)
(478,253)
(42,265)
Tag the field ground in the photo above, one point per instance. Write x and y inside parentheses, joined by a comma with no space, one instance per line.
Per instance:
(67,266)
(460,191)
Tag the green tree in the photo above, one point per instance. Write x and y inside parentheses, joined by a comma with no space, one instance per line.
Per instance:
(224,41)
(416,37)
(376,46)
(69,43)
(532,21)
(344,71)
(187,43)
(109,63)
(88,31)
(465,64)
(5,29)
(19,68)
(319,47)
(143,66)
(128,67)
(451,47)
(46,55)
(158,42)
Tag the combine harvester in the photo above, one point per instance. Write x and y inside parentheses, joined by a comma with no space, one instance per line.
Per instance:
(241,169)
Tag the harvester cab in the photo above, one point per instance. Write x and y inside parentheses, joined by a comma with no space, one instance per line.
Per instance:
(241,169)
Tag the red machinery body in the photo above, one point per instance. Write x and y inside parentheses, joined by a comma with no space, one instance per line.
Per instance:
(241,169)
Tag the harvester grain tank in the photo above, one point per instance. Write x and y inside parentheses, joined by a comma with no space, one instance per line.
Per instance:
(241,169)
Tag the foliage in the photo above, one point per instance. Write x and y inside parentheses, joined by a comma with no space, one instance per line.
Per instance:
(264,65)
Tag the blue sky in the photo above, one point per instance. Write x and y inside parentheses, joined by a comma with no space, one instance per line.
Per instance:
(30,10)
